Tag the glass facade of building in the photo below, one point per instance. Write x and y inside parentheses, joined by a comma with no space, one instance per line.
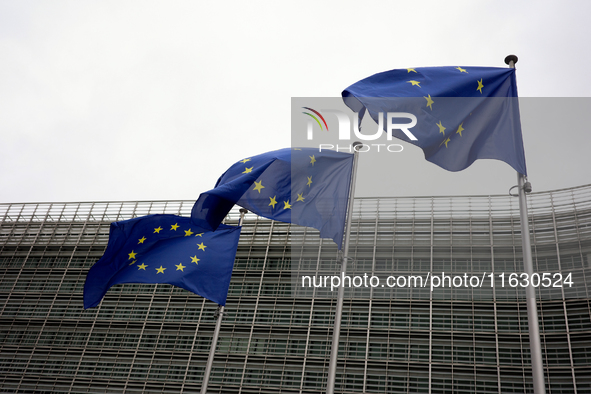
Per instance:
(275,337)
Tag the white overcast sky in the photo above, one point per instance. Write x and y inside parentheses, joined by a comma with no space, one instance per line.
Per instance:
(140,100)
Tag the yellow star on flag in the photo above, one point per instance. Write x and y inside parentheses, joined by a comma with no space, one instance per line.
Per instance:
(445,142)
(258,186)
(460,129)
(429,102)
(411,69)
(133,262)
(132,255)
(247,170)
(309,181)
(180,266)
(141,240)
(441,128)
(287,205)
(199,235)
(300,197)
(142,267)
(174,227)
(195,260)
(160,270)
(414,83)
(312,159)
(462,70)
(201,246)
(244,161)
(480,86)
(273,201)
(188,233)
(157,229)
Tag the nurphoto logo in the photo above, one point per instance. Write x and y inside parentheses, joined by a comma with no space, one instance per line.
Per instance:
(403,121)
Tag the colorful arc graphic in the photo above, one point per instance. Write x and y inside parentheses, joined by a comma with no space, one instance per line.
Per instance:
(315,118)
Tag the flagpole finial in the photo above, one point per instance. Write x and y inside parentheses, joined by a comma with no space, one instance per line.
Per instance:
(243,212)
(511,58)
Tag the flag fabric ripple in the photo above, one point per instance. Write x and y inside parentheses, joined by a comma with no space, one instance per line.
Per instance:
(165,249)
(463,113)
(295,185)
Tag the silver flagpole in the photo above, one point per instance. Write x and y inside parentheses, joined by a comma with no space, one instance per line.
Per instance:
(537,367)
(334,351)
(216,332)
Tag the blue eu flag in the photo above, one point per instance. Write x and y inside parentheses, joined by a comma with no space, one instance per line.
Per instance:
(463,113)
(165,249)
(299,185)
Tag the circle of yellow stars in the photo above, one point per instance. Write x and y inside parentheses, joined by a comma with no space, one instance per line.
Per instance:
(179,267)
(258,185)
(430,102)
